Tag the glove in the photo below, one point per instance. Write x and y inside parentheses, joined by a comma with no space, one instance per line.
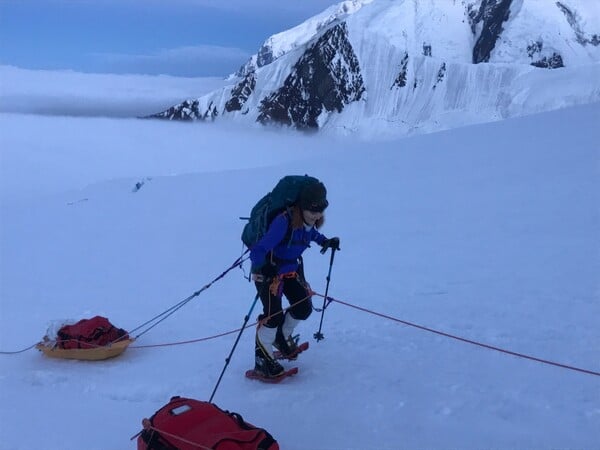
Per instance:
(267,272)
(333,243)
(270,270)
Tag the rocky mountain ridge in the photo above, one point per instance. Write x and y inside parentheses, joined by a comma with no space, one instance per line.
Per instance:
(403,66)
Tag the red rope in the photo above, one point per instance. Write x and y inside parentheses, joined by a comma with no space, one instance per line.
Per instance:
(173,436)
(458,338)
(385,316)
(191,341)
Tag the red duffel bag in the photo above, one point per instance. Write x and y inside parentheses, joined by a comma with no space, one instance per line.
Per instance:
(90,333)
(187,424)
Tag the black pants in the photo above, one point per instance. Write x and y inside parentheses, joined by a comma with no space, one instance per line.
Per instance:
(297,293)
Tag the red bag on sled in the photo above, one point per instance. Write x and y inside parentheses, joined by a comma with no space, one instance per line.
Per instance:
(186,424)
(89,333)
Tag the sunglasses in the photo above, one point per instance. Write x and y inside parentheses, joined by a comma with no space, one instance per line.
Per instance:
(318,207)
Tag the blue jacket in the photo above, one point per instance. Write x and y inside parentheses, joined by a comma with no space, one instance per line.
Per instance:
(285,251)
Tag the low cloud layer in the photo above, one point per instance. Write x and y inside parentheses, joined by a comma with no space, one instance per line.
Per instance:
(68,93)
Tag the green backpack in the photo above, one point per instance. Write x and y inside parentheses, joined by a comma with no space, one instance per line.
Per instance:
(282,197)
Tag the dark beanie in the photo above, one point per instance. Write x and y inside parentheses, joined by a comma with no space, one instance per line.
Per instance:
(313,197)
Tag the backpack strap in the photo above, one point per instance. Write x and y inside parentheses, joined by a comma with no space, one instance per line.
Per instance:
(288,233)
(287,237)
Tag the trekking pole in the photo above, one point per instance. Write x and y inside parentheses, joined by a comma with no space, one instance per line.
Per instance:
(318,335)
(233,348)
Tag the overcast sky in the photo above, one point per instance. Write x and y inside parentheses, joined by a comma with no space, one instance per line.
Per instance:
(175,37)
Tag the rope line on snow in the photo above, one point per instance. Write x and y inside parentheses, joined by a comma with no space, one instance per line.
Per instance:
(193,341)
(368,311)
(19,351)
(168,312)
(458,338)
(226,333)
(166,344)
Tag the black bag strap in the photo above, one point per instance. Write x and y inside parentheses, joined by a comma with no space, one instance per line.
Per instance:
(154,441)
(264,444)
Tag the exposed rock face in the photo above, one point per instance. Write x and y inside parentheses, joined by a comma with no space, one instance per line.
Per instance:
(534,48)
(400,80)
(263,57)
(492,13)
(553,62)
(326,78)
(188,110)
(575,23)
(280,44)
(241,92)
(426,49)
(440,75)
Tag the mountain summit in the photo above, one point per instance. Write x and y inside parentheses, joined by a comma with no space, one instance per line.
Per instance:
(395,67)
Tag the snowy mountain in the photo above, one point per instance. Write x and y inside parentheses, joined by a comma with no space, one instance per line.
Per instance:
(282,43)
(394,67)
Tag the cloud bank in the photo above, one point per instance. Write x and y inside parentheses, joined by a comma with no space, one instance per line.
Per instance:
(70,93)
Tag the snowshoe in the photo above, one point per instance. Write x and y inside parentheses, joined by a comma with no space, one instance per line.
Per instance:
(254,375)
(287,348)
(267,367)
(294,355)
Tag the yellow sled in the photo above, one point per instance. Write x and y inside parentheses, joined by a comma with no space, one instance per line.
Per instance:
(86,354)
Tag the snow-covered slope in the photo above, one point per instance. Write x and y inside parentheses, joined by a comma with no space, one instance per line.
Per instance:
(281,43)
(488,232)
(396,67)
